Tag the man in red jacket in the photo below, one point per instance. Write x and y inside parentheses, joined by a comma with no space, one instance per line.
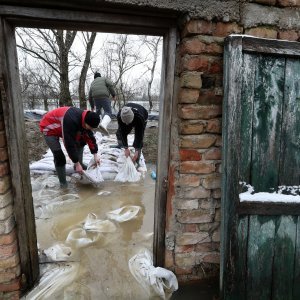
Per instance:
(75,127)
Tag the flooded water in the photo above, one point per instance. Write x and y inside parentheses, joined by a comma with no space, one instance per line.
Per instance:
(98,270)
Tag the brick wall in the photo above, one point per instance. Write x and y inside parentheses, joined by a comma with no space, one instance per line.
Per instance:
(9,256)
(194,195)
(193,214)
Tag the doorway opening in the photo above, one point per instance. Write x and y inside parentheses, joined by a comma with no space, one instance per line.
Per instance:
(23,194)
(75,228)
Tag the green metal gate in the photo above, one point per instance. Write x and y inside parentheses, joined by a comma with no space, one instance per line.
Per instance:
(260,243)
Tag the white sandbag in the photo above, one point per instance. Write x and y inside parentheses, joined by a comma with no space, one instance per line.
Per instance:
(124,213)
(155,281)
(92,223)
(108,162)
(91,176)
(104,193)
(54,280)
(109,175)
(109,169)
(79,238)
(58,252)
(128,172)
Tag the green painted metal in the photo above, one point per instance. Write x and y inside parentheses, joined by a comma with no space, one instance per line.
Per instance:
(261,146)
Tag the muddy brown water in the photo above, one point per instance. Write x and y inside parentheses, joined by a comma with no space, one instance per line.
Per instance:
(98,271)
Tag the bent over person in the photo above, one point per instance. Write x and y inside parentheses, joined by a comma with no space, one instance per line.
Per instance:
(75,127)
(100,90)
(131,116)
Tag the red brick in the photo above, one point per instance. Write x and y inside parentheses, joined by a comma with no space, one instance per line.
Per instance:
(3,154)
(209,97)
(15,295)
(202,141)
(196,167)
(216,67)
(189,180)
(188,96)
(4,169)
(190,228)
(225,29)
(13,285)
(7,239)
(9,262)
(191,80)
(207,247)
(8,250)
(288,3)
(213,154)
(186,154)
(290,35)
(184,249)
(195,46)
(214,126)
(199,112)
(10,274)
(194,217)
(191,127)
(262,32)
(197,27)
(195,63)
(2,139)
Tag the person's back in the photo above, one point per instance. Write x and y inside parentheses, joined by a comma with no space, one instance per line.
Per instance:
(99,93)
(99,88)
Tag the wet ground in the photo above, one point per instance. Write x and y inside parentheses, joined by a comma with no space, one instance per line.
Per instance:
(99,270)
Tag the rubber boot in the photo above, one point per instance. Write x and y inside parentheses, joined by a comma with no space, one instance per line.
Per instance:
(80,158)
(61,174)
(104,123)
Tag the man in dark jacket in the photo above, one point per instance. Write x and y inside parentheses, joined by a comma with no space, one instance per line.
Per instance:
(132,116)
(100,90)
(75,127)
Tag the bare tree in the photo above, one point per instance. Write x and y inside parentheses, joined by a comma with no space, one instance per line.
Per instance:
(152,43)
(53,47)
(89,40)
(121,54)
(38,84)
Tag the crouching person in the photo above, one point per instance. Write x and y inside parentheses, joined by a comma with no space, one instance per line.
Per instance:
(132,116)
(75,127)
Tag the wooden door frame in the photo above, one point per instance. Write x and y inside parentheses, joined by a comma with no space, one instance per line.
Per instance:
(114,21)
(232,208)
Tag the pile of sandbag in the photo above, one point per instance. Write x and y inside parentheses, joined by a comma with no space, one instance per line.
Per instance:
(113,163)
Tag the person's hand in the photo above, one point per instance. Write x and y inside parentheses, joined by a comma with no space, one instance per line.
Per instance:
(97,159)
(127,152)
(78,168)
(135,156)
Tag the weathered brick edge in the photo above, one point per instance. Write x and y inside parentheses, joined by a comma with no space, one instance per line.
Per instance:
(10,270)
